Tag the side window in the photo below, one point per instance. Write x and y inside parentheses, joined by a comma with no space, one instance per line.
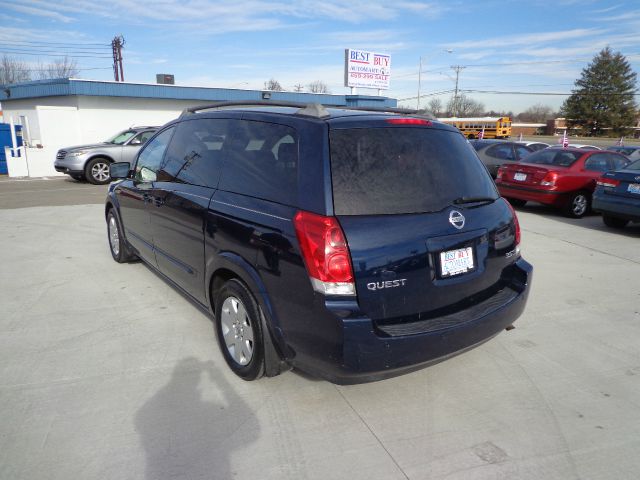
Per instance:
(150,157)
(195,153)
(145,136)
(501,151)
(521,151)
(597,163)
(261,160)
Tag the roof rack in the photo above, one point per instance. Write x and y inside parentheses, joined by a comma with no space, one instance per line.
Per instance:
(316,110)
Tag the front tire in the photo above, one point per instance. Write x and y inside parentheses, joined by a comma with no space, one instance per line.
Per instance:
(97,171)
(614,222)
(578,205)
(117,244)
(239,330)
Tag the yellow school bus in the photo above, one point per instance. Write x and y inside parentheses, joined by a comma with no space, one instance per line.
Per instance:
(494,127)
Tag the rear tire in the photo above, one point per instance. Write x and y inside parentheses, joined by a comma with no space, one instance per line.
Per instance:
(239,330)
(516,202)
(614,222)
(578,205)
(97,171)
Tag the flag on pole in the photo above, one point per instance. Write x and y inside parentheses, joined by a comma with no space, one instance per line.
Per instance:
(520,137)
(481,134)
(621,142)
(565,140)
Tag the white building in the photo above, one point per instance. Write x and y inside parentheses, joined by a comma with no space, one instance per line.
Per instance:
(65,112)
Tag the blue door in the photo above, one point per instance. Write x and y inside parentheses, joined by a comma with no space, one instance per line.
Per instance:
(5,141)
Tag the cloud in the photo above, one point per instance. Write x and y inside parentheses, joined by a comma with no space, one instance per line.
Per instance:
(40,12)
(527,39)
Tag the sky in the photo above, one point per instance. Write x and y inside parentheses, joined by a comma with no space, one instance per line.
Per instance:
(505,46)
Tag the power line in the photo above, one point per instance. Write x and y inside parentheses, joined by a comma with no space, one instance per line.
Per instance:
(35,43)
(588,94)
(58,54)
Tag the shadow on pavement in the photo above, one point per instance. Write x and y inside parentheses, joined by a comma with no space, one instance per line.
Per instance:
(192,426)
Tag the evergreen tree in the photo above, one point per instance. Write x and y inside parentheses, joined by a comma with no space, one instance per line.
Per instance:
(603,97)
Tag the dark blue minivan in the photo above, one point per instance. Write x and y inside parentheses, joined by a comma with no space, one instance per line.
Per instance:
(350,244)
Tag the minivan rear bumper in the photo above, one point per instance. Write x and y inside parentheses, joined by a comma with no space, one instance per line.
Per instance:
(369,356)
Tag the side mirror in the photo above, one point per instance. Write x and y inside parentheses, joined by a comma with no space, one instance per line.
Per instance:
(119,170)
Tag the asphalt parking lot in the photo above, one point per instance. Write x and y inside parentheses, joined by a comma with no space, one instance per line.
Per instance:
(106,372)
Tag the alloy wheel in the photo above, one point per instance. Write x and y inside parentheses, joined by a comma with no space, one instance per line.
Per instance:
(579,206)
(114,236)
(100,171)
(237,330)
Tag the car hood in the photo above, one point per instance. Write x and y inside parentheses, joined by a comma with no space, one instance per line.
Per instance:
(90,146)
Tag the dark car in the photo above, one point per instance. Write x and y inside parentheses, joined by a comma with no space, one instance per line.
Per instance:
(350,244)
(495,153)
(562,177)
(91,162)
(632,153)
(617,196)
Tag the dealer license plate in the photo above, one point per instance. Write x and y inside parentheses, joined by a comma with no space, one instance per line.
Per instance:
(455,262)
(634,188)
(521,177)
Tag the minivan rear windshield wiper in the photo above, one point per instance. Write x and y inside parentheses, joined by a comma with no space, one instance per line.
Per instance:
(461,200)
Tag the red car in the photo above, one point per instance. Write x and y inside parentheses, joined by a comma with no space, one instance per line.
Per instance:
(564,178)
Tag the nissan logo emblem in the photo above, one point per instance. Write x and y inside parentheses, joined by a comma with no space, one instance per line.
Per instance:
(456,219)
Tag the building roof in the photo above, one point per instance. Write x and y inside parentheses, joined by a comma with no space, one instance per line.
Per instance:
(99,88)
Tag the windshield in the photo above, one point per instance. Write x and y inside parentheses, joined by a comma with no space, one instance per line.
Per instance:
(558,158)
(378,171)
(121,137)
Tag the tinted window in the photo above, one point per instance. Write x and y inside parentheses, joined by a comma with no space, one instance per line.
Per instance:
(150,157)
(522,151)
(597,163)
(261,160)
(403,170)
(502,151)
(559,158)
(122,137)
(194,155)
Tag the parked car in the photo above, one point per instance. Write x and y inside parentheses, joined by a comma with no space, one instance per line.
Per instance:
(350,244)
(91,162)
(632,153)
(495,153)
(535,146)
(578,145)
(564,178)
(617,196)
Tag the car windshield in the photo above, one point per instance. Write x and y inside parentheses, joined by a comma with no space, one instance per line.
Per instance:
(122,137)
(558,158)
(379,171)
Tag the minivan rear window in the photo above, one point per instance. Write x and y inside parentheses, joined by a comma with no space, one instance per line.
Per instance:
(399,170)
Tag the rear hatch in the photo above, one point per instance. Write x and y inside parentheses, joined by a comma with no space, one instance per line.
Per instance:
(427,232)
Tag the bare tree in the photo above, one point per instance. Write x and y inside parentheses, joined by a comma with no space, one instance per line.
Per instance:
(273,85)
(298,87)
(464,106)
(537,113)
(13,71)
(59,68)
(318,86)
(435,106)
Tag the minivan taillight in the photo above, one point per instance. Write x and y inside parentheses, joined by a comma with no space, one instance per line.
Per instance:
(325,253)
(608,182)
(516,225)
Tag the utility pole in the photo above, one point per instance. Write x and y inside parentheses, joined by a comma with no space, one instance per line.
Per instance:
(457,69)
(116,46)
(419,83)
